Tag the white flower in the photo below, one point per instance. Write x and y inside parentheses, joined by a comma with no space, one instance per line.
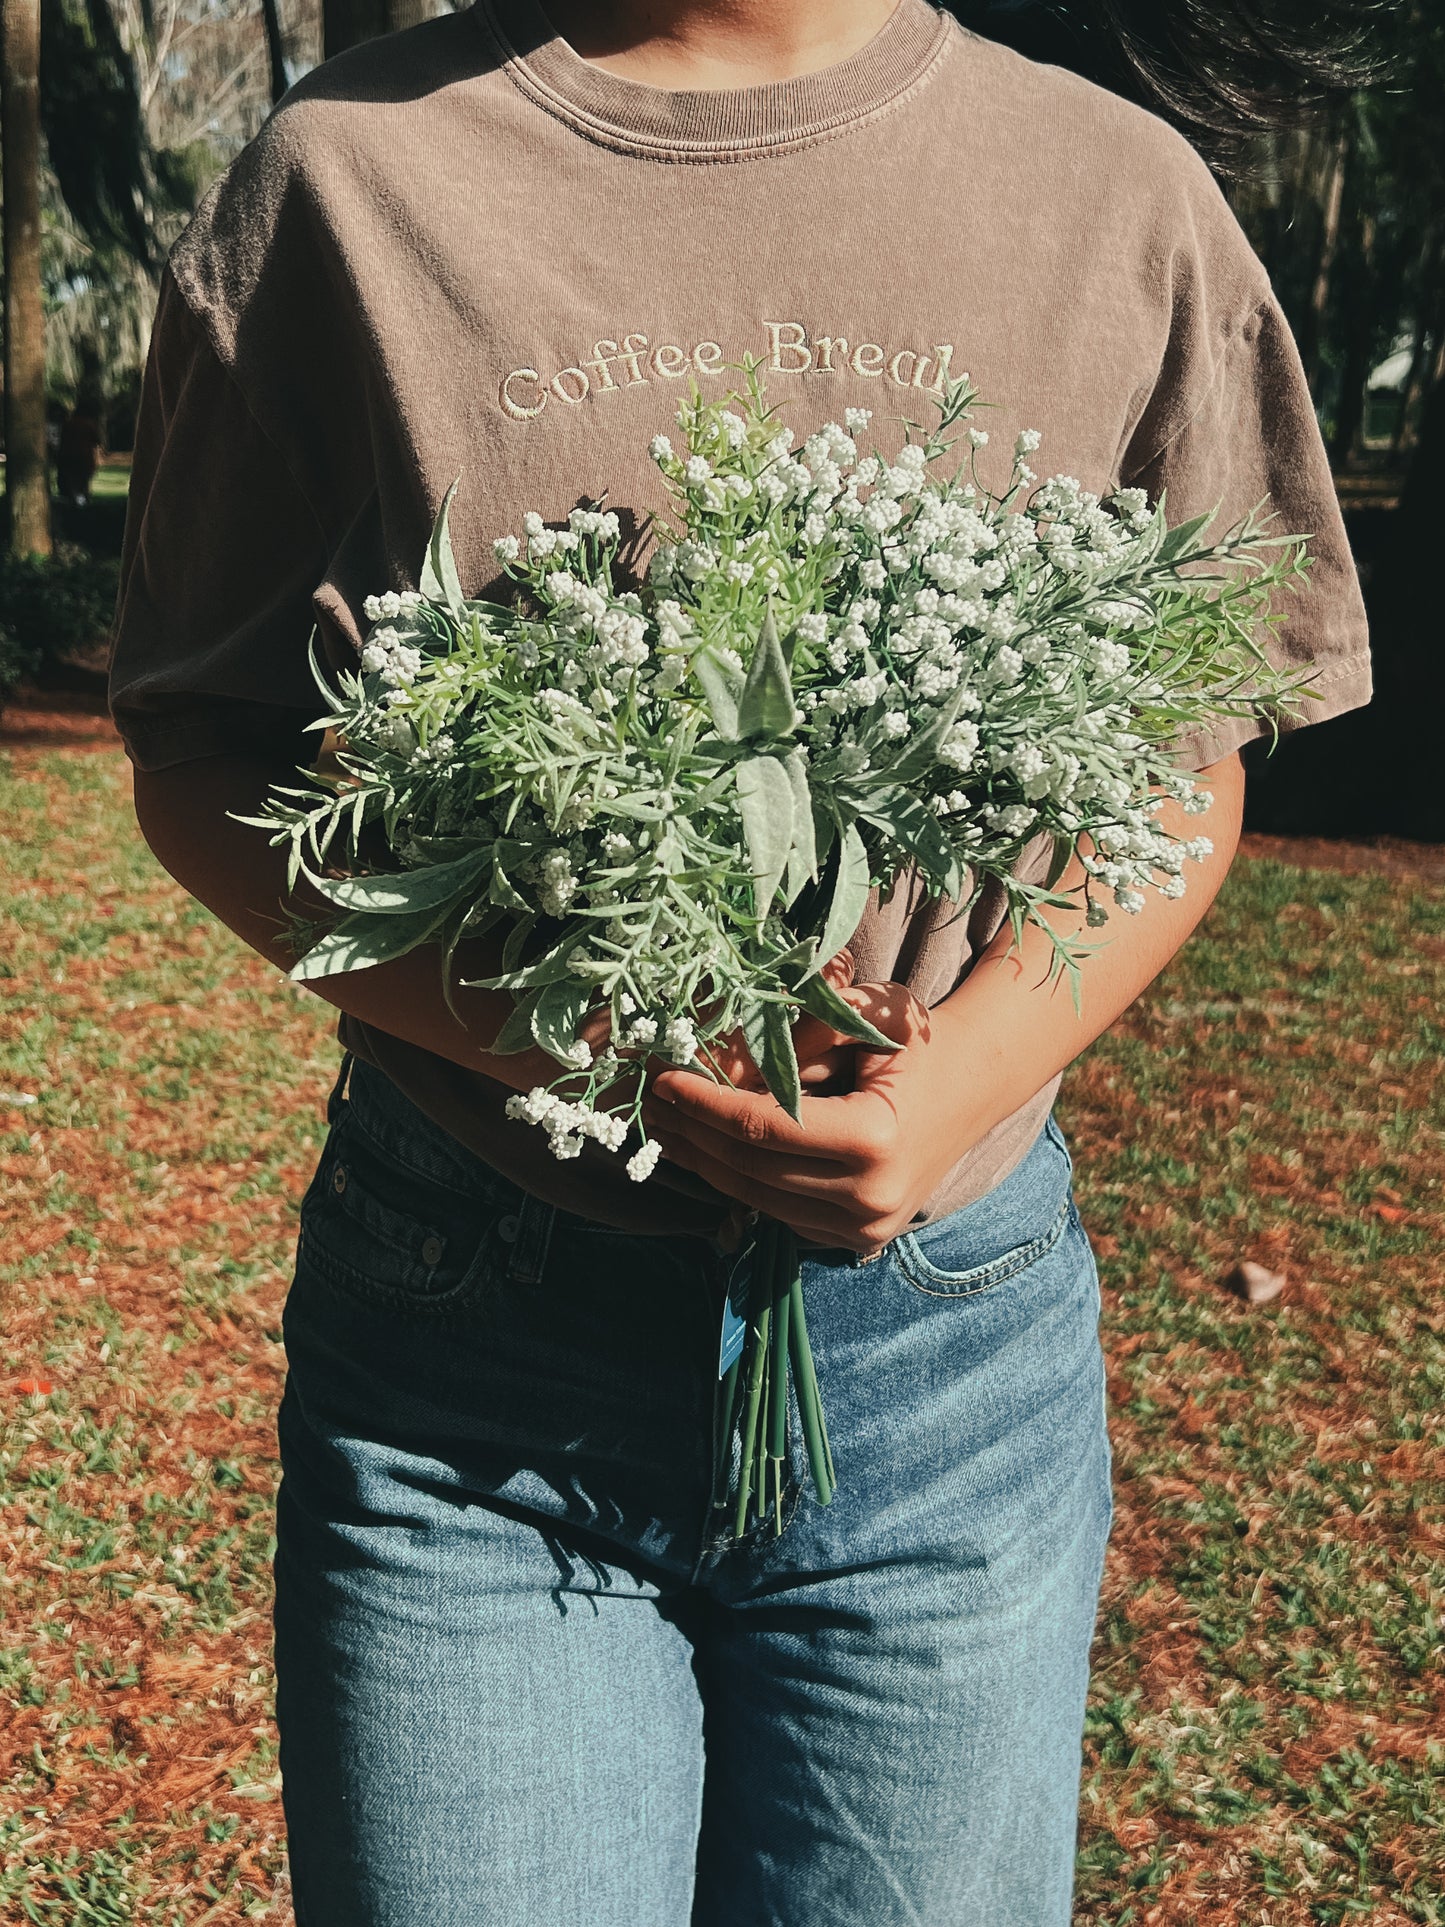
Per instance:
(697,469)
(506,548)
(680,1040)
(979,437)
(1014,820)
(895,724)
(660,449)
(1027,442)
(857,419)
(532,523)
(1131,902)
(642,1164)
(535,1108)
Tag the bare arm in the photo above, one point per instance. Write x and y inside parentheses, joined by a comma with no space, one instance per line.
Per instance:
(235,872)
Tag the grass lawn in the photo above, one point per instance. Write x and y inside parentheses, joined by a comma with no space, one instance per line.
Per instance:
(1266,1742)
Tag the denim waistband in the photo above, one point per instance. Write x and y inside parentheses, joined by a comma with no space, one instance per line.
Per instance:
(1033,1191)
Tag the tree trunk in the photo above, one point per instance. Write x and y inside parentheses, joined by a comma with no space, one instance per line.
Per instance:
(346,23)
(1312,334)
(275,49)
(1359,320)
(27,470)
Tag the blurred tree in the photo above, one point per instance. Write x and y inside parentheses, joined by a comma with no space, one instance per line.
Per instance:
(27,475)
(348,22)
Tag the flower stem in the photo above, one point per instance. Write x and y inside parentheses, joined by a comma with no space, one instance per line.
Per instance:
(757,1364)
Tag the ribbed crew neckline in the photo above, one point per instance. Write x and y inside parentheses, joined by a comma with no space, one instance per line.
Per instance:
(723,123)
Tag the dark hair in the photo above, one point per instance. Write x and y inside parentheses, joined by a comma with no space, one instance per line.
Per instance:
(1221,70)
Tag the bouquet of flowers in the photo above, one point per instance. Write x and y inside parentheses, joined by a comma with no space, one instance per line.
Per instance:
(676,793)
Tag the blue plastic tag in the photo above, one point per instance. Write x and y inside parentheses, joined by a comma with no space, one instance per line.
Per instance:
(734,1323)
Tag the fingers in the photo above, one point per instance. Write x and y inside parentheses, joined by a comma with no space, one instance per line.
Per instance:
(831,1127)
(786,1172)
(807,1216)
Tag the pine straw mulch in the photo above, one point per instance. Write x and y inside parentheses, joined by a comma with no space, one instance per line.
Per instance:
(1266,1742)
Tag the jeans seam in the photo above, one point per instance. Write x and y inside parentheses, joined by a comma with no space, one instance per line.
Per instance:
(534,1239)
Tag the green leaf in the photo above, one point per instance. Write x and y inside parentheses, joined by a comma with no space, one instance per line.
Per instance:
(769,1037)
(404,891)
(1182,536)
(516,1033)
(850,896)
(516,941)
(1059,862)
(765,799)
(502,891)
(818,996)
(553,968)
(921,753)
(766,706)
(557,1013)
(803,853)
(723,686)
(364,939)
(440,582)
(916,829)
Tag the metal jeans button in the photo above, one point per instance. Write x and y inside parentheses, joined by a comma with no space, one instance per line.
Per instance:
(432,1250)
(338,1179)
(508,1228)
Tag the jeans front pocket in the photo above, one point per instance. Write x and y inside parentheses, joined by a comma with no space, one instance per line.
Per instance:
(381,1229)
(983,1244)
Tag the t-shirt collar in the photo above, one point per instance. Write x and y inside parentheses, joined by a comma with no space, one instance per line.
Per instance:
(692,123)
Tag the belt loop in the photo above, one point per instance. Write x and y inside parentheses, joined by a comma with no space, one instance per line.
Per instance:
(534,1235)
(339,1088)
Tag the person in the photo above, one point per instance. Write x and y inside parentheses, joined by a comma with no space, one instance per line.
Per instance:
(520,1669)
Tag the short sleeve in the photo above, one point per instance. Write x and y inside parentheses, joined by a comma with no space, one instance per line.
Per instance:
(219,560)
(1252,436)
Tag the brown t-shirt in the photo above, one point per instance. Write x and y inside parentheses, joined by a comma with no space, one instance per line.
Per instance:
(462,249)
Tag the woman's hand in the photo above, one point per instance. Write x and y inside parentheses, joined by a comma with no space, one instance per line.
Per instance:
(861,1162)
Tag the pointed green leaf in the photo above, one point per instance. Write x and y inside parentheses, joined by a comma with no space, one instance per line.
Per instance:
(440,582)
(913,826)
(516,1033)
(722,686)
(404,891)
(502,891)
(818,996)
(850,896)
(557,1013)
(766,706)
(769,1037)
(1059,862)
(803,855)
(362,940)
(765,799)
(516,942)
(920,754)
(1182,536)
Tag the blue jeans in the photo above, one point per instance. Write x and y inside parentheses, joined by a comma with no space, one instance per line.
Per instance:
(520,1678)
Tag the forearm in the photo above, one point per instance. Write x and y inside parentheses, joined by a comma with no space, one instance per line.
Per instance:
(1010,1032)
(235,872)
